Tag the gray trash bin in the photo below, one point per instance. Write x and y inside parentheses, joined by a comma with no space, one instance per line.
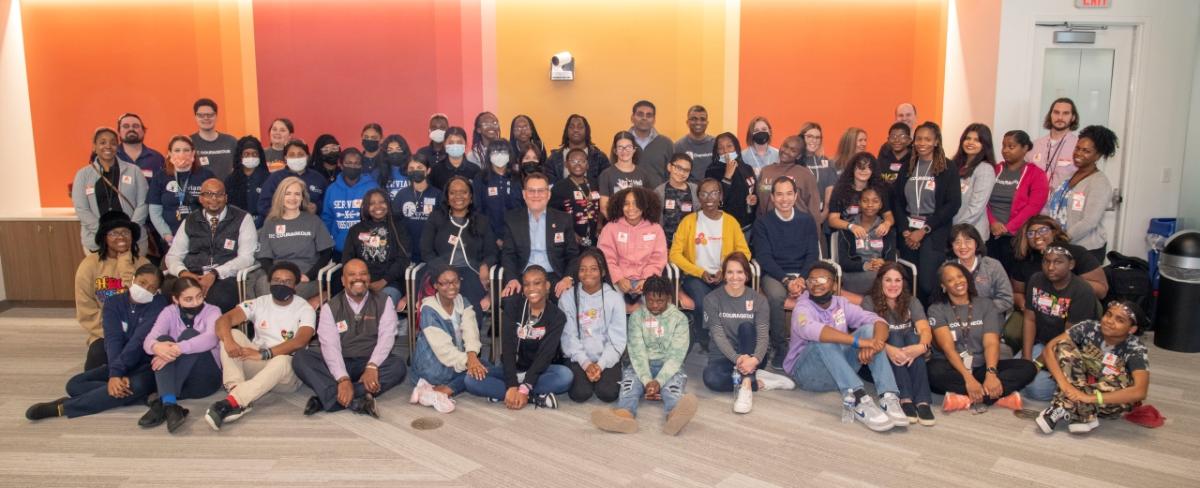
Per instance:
(1177,326)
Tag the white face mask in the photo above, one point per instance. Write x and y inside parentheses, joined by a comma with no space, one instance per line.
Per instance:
(456,150)
(297,164)
(251,162)
(437,135)
(499,160)
(727,157)
(139,294)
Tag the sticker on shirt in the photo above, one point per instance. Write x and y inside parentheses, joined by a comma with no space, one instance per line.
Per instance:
(531,333)
(453,240)
(895,167)
(203,160)
(126,180)
(229,244)
(1077,200)
(622,237)
(749,305)
(649,237)
(559,238)
(686,206)
(147,173)
(173,186)
(89,190)
(852,210)
(493,191)
(916,222)
(930,185)
(839,317)
(595,194)
(964,185)
(1066,162)
(342,326)
(280,229)
(669,204)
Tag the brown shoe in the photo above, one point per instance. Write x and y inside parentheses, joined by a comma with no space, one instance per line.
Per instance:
(683,412)
(616,420)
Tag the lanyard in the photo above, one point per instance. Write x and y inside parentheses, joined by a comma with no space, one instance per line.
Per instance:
(964,326)
(183,188)
(920,184)
(1052,159)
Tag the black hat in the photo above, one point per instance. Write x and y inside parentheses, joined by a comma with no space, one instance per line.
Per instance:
(116,219)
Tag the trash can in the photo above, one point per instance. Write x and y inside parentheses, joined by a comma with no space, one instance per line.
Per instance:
(1177,324)
(1156,237)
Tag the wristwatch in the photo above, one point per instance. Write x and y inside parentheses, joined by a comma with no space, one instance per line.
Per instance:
(927,229)
(992,370)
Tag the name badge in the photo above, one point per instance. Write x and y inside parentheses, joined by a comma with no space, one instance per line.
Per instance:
(930,185)
(876,243)
(342,326)
(126,179)
(578,195)
(622,237)
(968,360)
(147,173)
(493,191)
(916,222)
(749,305)
(89,190)
(1077,201)
(669,204)
(852,210)
(595,195)
(453,240)
(430,201)
(559,238)
(895,166)
(229,243)
(686,206)
(356,203)
(649,237)
(280,229)
(363,236)
(860,244)
(203,160)
(1065,162)
(964,185)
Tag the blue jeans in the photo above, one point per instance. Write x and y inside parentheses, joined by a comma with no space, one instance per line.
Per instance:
(555,379)
(632,389)
(89,391)
(824,366)
(1043,386)
(911,380)
(718,374)
(394,293)
(697,289)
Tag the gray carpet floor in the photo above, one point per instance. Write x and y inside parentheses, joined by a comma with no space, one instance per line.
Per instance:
(791,438)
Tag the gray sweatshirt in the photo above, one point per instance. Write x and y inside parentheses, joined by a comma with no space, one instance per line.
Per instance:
(595,332)
(991,281)
(976,191)
(1082,211)
(723,314)
(133,187)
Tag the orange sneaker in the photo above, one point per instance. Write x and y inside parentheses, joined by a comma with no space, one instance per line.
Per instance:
(954,402)
(1011,402)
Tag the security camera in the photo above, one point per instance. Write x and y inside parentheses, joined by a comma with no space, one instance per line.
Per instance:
(561,59)
(562,66)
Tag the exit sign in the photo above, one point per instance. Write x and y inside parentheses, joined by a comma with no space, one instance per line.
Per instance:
(1093,3)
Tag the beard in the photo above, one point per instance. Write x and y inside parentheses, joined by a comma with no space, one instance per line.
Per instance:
(132,138)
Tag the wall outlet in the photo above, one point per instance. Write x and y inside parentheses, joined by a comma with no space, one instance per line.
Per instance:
(1166,175)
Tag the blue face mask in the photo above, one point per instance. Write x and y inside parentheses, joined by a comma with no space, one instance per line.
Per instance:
(456,150)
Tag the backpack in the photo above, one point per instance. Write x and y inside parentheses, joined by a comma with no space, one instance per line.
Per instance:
(1129,279)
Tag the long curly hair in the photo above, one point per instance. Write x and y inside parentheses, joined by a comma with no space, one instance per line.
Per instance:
(880,301)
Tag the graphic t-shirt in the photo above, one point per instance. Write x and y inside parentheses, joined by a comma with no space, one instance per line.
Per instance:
(1123,358)
(298,240)
(1056,310)
(273,323)
(708,242)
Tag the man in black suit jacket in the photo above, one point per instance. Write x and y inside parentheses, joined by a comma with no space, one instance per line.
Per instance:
(558,252)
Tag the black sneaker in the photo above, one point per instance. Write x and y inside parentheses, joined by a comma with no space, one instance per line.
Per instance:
(174,415)
(45,410)
(221,411)
(925,415)
(313,406)
(367,406)
(153,417)
(910,411)
(547,400)
(1050,417)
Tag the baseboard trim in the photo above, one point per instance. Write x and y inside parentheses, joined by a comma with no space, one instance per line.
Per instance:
(6,305)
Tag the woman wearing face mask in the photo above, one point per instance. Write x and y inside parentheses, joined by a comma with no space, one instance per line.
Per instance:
(531,160)
(926,199)
(909,339)
(453,165)
(416,203)
(593,339)
(862,257)
(625,171)
(1020,192)
(383,243)
(107,184)
(328,152)
(577,134)
(279,135)
(525,135)
(498,188)
(814,159)
(576,194)
(843,202)
(293,235)
(126,378)
(487,131)
(736,177)
(184,354)
(175,191)
(976,164)
(991,281)
(342,206)
(389,171)
(245,183)
(1079,203)
(759,154)
(459,236)
(853,141)
(296,153)
(435,152)
(103,274)
(371,134)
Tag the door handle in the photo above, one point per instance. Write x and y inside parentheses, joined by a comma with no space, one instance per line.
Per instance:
(1117,199)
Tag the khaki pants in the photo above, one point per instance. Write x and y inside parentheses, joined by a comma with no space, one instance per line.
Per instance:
(274,374)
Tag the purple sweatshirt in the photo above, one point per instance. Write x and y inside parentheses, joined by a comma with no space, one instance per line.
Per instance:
(809,318)
(169,324)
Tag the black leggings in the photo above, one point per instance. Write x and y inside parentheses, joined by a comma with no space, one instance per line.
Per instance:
(1013,374)
(607,389)
(928,257)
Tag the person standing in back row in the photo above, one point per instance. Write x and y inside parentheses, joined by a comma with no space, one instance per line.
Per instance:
(1053,153)
(697,143)
(214,150)
(655,148)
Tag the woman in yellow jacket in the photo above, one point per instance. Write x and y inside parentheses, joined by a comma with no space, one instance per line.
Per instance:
(702,241)
(106,272)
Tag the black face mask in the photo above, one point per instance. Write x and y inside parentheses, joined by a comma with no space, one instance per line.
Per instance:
(530,167)
(329,159)
(352,172)
(188,314)
(821,300)
(761,137)
(282,293)
(370,146)
(395,159)
(416,175)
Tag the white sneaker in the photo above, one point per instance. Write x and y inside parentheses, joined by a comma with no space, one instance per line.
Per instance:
(422,387)
(869,414)
(1083,427)
(424,394)
(891,406)
(775,381)
(744,402)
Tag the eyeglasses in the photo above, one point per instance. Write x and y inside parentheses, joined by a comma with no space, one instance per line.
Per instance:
(489,125)
(625,148)
(680,168)
(820,280)
(121,232)
(897,137)
(210,194)
(206,115)
(1040,231)
(537,191)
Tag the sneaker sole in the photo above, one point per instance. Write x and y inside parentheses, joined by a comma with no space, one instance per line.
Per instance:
(1043,426)
(927,423)
(877,427)
(209,418)
(233,417)
(606,420)
(683,413)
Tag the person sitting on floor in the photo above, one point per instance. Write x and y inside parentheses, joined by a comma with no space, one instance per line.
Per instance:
(909,339)
(447,347)
(594,338)
(1101,369)
(531,332)
(355,364)
(831,340)
(126,379)
(283,324)
(1055,300)
(966,366)
(102,274)
(658,344)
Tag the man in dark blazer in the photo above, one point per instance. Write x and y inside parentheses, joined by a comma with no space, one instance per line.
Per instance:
(555,232)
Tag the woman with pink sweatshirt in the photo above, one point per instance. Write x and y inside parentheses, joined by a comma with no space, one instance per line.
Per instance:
(633,241)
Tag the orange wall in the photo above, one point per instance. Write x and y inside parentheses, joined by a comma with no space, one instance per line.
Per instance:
(840,64)
(675,62)
(83,73)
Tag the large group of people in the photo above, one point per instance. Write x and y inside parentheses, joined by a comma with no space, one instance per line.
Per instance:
(910,269)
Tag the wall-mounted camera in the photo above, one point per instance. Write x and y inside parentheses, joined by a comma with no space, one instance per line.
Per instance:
(562,66)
